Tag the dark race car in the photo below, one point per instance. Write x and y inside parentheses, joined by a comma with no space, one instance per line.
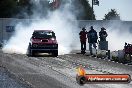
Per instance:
(43,41)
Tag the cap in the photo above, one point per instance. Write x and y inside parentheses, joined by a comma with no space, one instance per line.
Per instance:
(83,28)
(91,27)
(103,28)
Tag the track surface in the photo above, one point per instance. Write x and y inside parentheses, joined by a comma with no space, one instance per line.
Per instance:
(60,72)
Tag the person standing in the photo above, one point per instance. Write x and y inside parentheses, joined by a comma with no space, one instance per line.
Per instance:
(103,44)
(83,39)
(103,34)
(92,39)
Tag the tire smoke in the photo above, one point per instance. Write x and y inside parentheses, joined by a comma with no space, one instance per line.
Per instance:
(118,34)
(61,21)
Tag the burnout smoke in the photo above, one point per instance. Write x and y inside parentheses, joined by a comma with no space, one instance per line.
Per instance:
(118,34)
(61,21)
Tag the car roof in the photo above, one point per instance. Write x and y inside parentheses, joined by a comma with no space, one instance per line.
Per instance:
(43,30)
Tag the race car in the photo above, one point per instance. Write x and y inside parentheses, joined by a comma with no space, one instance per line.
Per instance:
(43,41)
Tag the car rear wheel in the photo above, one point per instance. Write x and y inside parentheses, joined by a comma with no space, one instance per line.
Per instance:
(33,53)
(30,52)
(55,53)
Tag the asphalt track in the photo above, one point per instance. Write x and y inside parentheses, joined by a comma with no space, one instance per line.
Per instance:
(60,72)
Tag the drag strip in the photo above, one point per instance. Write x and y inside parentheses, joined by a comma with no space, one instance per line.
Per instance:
(59,72)
(36,76)
(94,63)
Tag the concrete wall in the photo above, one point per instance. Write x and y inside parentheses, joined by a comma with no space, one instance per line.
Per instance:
(7,27)
(121,25)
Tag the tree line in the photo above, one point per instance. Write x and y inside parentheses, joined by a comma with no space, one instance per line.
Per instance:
(10,8)
(13,8)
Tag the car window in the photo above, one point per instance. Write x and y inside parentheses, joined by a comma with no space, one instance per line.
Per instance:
(42,34)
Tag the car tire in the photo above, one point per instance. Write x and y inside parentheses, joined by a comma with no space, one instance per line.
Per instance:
(30,53)
(55,54)
(29,50)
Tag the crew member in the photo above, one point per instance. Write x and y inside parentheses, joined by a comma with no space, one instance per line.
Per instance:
(83,38)
(103,34)
(92,39)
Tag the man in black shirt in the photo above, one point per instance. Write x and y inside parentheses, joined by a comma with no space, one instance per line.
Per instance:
(92,39)
(103,34)
(83,38)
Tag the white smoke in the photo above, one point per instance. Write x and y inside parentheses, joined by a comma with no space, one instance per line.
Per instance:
(118,34)
(117,40)
(64,24)
(61,21)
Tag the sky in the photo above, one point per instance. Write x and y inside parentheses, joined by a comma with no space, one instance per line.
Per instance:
(123,7)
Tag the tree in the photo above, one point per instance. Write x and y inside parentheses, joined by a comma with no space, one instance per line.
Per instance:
(24,6)
(84,10)
(11,8)
(112,15)
(7,8)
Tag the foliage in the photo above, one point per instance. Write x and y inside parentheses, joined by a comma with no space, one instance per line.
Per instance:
(18,8)
(112,15)
(7,8)
(84,9)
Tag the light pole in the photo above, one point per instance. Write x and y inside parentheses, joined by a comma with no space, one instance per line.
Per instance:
(92,10)
(94,2)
